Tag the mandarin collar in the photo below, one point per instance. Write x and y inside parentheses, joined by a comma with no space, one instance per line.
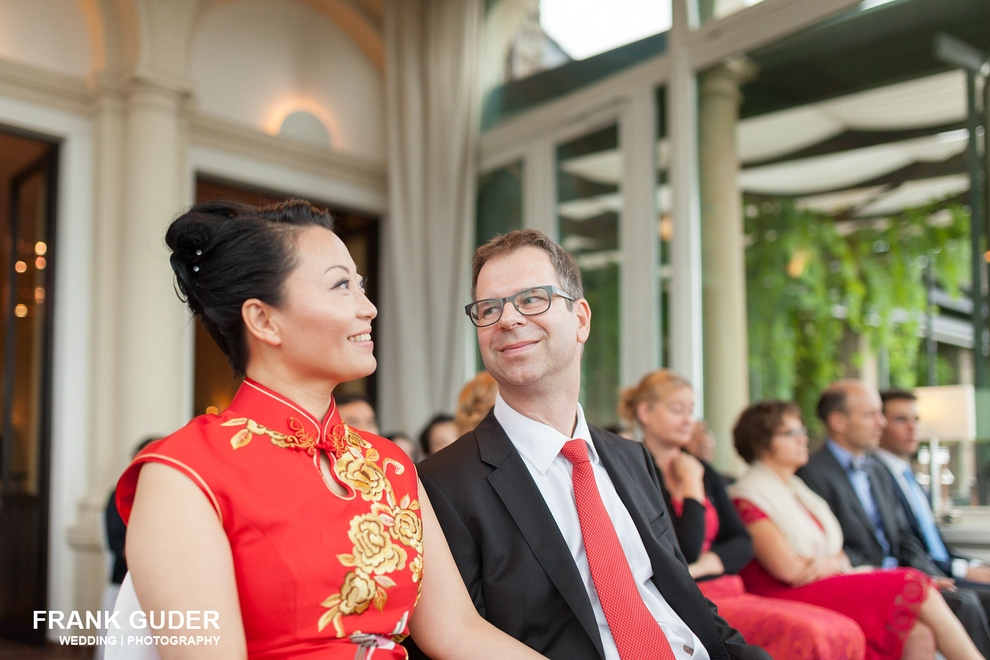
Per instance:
(281,415)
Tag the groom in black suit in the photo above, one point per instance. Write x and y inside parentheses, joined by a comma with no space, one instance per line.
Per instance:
(847,475)
(536,537)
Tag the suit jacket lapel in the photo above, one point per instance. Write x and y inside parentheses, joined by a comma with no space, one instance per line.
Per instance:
(888,515)
(841,479)
(524,501)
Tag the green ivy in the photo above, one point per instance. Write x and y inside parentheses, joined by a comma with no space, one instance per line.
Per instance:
(812,282)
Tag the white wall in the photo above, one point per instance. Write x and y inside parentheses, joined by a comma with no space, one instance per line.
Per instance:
(254,61)
(50,34)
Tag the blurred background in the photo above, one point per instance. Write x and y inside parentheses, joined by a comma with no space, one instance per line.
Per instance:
(763,196)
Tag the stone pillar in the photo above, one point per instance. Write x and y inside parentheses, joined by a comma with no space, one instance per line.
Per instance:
(151,364)
(726,385)
(85,535)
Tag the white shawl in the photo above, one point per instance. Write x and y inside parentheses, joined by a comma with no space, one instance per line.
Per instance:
(788,504)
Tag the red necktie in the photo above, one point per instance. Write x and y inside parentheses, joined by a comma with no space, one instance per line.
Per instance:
(637,634)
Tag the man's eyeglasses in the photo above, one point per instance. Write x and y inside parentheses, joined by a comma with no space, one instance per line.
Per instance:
(528,302)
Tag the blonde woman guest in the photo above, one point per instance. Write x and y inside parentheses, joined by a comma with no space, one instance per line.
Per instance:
(798,546)
(476,400)
(714,540)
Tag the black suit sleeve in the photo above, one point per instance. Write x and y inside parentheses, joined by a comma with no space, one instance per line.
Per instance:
(909,548)
(462,545)
(733,545)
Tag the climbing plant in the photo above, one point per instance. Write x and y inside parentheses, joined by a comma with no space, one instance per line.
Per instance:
(814,282)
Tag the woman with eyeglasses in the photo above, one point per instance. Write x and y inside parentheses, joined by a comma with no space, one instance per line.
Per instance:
(295,535)
(798,546)
(714,540)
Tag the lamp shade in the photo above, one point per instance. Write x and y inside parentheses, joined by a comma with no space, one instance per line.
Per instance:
(947,412)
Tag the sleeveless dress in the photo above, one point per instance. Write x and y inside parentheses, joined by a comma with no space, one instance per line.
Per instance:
(319,575)
(885,604)
(785,630)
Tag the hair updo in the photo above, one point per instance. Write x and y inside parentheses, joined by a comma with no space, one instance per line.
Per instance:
(653,388)
(224,253)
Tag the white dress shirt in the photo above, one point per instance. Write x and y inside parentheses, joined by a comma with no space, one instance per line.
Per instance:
(539,445)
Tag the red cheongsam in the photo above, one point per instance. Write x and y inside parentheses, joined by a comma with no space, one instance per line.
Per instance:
(319,575)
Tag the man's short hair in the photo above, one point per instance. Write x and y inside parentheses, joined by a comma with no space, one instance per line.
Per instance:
(832,400)
(896,395)
(567,269)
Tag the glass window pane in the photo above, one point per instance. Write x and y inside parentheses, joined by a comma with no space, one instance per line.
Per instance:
(589,198)
(500,202)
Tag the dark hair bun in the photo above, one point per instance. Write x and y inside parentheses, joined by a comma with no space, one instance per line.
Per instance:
(224,253)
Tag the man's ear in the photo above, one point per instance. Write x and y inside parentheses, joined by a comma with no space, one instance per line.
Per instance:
(583,312)
(837,422)
(259,322)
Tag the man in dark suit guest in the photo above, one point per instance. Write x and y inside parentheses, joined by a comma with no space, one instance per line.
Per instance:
(856,486)
(559,529)
(898,444)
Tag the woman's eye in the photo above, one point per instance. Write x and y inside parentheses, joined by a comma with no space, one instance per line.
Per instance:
(363,285)
(343,284)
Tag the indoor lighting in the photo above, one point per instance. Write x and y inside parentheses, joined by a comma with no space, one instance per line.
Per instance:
(947,414)
(21,267)
(212,410)
(40,248)
(40,263)
(20,311)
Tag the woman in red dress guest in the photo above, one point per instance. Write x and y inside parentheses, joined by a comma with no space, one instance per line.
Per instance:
(309,539)
(798,546)
(714,540)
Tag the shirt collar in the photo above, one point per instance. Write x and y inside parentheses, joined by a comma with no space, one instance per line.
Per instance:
(846,458)
(281,415)
(538,443)
(896,464)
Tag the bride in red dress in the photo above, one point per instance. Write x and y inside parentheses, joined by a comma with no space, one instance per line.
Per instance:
(798,546)
(306,538)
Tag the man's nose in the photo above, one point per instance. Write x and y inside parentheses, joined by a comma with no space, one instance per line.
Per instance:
(510,316)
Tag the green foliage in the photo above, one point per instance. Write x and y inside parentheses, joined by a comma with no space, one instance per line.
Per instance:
(813,282)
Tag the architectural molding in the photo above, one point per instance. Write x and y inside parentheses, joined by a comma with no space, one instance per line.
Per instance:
(32,84)
(755,26)
(223,135)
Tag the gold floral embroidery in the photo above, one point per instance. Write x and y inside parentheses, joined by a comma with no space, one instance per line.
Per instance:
(374,551)
(361,473)
(300,438)
(378,536)
(416,567)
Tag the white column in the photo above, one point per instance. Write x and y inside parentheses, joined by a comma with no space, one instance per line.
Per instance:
(85,535)
(723,256)
(685,256)
(638,238)
(151,341)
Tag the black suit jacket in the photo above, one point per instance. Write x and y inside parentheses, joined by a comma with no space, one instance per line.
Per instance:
(915,526)
(826,476)
(516,564)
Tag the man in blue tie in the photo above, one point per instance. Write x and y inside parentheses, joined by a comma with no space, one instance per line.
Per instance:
(847,474)
(898,443)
